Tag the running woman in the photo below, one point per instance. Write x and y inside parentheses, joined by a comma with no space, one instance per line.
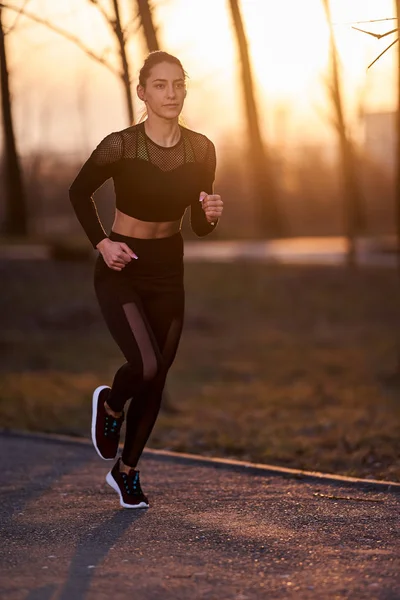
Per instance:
(159,168)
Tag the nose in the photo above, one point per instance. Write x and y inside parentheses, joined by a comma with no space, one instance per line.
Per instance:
(171,90)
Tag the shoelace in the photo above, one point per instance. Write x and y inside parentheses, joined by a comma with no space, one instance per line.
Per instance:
(112,426)
(132,484)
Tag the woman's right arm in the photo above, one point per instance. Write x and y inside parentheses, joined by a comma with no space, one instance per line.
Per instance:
(99,167)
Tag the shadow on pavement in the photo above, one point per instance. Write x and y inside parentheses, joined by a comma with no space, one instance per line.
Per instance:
(44,593)
(91,549)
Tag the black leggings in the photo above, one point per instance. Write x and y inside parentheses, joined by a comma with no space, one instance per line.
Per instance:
(143,306)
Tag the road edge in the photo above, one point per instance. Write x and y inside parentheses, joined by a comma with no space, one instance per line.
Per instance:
(224,463)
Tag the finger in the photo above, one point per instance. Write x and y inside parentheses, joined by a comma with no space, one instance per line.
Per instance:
(116,262)
(114,267)
(122,257)
(203,195)
(120,262)
(128,250)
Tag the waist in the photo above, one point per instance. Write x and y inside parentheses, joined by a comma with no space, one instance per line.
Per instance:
(130,226)
(160,250)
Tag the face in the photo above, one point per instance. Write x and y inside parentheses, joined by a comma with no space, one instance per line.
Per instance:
(165,91)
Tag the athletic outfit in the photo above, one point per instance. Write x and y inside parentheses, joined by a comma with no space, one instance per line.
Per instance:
(143,304)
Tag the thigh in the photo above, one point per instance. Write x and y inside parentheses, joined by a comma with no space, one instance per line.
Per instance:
(153,293)
(165,314)
(125,316)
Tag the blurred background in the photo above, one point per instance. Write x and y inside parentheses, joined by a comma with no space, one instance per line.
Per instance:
(291,349)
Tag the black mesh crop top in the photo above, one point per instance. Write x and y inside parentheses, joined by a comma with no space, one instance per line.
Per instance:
(151,182)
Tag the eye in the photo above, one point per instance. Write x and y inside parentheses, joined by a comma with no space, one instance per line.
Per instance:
(159,85)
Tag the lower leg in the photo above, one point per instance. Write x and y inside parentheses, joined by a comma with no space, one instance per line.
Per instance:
(127,382)
(126,468)
(112,412)
(140,420)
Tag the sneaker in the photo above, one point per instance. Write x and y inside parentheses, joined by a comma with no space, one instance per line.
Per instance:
(105,428)
(128,487)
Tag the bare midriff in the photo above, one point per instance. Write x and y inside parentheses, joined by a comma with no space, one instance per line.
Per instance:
(131,227)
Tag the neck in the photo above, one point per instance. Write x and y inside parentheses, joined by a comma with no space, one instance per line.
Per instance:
(162,131)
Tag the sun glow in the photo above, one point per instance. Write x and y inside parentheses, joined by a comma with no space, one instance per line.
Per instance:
(289,48)
(288,45)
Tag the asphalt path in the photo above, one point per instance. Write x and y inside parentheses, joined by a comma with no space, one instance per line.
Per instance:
(210,532)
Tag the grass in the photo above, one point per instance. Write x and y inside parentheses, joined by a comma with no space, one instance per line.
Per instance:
(289,365)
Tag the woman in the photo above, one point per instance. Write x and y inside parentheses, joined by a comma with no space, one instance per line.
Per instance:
(159,168)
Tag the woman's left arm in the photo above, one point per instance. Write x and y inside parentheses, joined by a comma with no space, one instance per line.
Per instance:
(206,211)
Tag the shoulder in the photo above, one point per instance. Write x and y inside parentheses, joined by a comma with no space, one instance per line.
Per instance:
(114,142)
(111,139)
(202,146)
(118,136)
(109,149)
(196,137)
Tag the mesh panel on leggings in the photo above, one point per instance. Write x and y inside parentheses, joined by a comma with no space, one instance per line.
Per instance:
(143,341)
(143,412)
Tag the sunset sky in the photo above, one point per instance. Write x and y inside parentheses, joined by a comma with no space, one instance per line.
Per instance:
(65,101)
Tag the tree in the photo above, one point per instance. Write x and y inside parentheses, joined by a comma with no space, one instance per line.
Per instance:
(270,222)
(397,192)
(146,20)
(354,215)
(398,152)
(121,32)
(117,28)
(16,221)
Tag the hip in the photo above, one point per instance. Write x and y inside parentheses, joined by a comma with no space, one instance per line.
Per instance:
(159,264)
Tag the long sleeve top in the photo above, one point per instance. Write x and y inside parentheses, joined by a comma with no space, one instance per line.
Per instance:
(151,182)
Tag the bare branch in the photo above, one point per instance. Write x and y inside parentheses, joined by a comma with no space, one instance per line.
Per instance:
(382,53)
(376,35)
(108,19)
(370,21)
(13,26)
(132,27)
(65,34)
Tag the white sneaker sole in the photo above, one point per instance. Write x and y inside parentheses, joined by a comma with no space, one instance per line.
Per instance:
(112,483)
(94,417)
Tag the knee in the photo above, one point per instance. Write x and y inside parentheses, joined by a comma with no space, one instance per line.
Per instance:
(154,369)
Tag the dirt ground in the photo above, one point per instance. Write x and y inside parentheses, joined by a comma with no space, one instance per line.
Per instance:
(290,365)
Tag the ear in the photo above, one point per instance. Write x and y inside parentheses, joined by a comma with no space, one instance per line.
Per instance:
(140,92)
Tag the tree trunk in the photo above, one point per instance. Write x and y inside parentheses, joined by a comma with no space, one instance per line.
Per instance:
(126,77)
(398,150)
(149,30)
(16,222)
(353,213)
(270,222)
(397,190)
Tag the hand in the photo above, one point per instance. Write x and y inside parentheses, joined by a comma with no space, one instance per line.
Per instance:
(212,206)
(116,255)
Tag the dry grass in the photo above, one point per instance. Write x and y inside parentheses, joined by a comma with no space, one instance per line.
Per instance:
(288,365)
